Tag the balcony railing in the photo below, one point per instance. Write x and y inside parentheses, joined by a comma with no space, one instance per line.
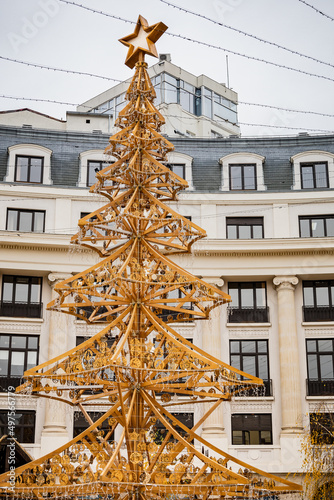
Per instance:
(167,313)
(261,391)
(320,387)
(90,309)
(21,309)
(6,382)
(248,315)
(318,313)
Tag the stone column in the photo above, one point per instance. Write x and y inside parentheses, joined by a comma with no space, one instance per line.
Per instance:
(289,356)
(213,427)
(54,432)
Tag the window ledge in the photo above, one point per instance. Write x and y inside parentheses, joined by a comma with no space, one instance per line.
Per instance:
(254,398)
(254,447)
(315,398)
(256,325)
(317,323)
(21,320)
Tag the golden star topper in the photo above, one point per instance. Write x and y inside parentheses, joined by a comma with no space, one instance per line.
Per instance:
(142,41)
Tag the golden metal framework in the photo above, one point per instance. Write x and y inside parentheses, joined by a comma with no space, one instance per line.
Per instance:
(137,363)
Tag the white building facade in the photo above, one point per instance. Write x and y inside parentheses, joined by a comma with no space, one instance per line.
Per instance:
(267,207)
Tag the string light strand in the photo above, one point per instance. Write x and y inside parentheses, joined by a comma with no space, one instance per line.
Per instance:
(240,102)
(286,109)
(250,35)
(73,72)
(317,10)
(211,46)
(191,118)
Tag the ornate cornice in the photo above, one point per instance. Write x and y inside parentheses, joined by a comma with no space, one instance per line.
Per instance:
(260,253)
(319,406)
(85,330)
(52,247)
(244,333)
(20,327)
(251,406)
(319,332)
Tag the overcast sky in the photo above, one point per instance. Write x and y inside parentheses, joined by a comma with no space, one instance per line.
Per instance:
(55,34)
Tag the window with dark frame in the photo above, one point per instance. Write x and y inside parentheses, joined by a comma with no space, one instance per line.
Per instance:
(314,175)
(93,166)
(322,428)
(252,429)
(25,220)
(242,177)
(186,419)
(178,169)
(249,302)
(18,353)
(21,296)
(244,228)
(316,226)
(318,299)
(23,427)
(175,294)
(80,423)
(320,367)
(29,169)
(252,356)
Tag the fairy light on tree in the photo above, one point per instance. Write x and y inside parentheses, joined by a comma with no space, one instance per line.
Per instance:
(138,448)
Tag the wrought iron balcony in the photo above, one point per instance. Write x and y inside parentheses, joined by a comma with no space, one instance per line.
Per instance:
(6,382)
(320,387)
(248,314)
(318,313)
(166,314)
(261,391)
(21,309)
(88,310)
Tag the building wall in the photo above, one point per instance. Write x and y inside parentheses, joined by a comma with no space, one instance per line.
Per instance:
(282,259)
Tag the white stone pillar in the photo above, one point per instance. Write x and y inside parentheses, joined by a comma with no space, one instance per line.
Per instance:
(213,428)
(54,433)
(289,355)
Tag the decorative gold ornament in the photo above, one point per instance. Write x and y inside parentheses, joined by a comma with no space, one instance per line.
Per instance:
(136,457)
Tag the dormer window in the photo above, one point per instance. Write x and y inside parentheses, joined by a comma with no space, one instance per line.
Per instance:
(92,161)
(29,169)
(181,165)
(29,163)
(242,172)
(314,175)
(313,170)
(93,166)
(242,177)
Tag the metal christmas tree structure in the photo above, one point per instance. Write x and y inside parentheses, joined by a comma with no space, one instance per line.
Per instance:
(135,365)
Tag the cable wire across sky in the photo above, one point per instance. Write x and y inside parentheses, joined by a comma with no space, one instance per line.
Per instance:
(190,118)
(205,44)
(250,35)
(279,120)
(316,10)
